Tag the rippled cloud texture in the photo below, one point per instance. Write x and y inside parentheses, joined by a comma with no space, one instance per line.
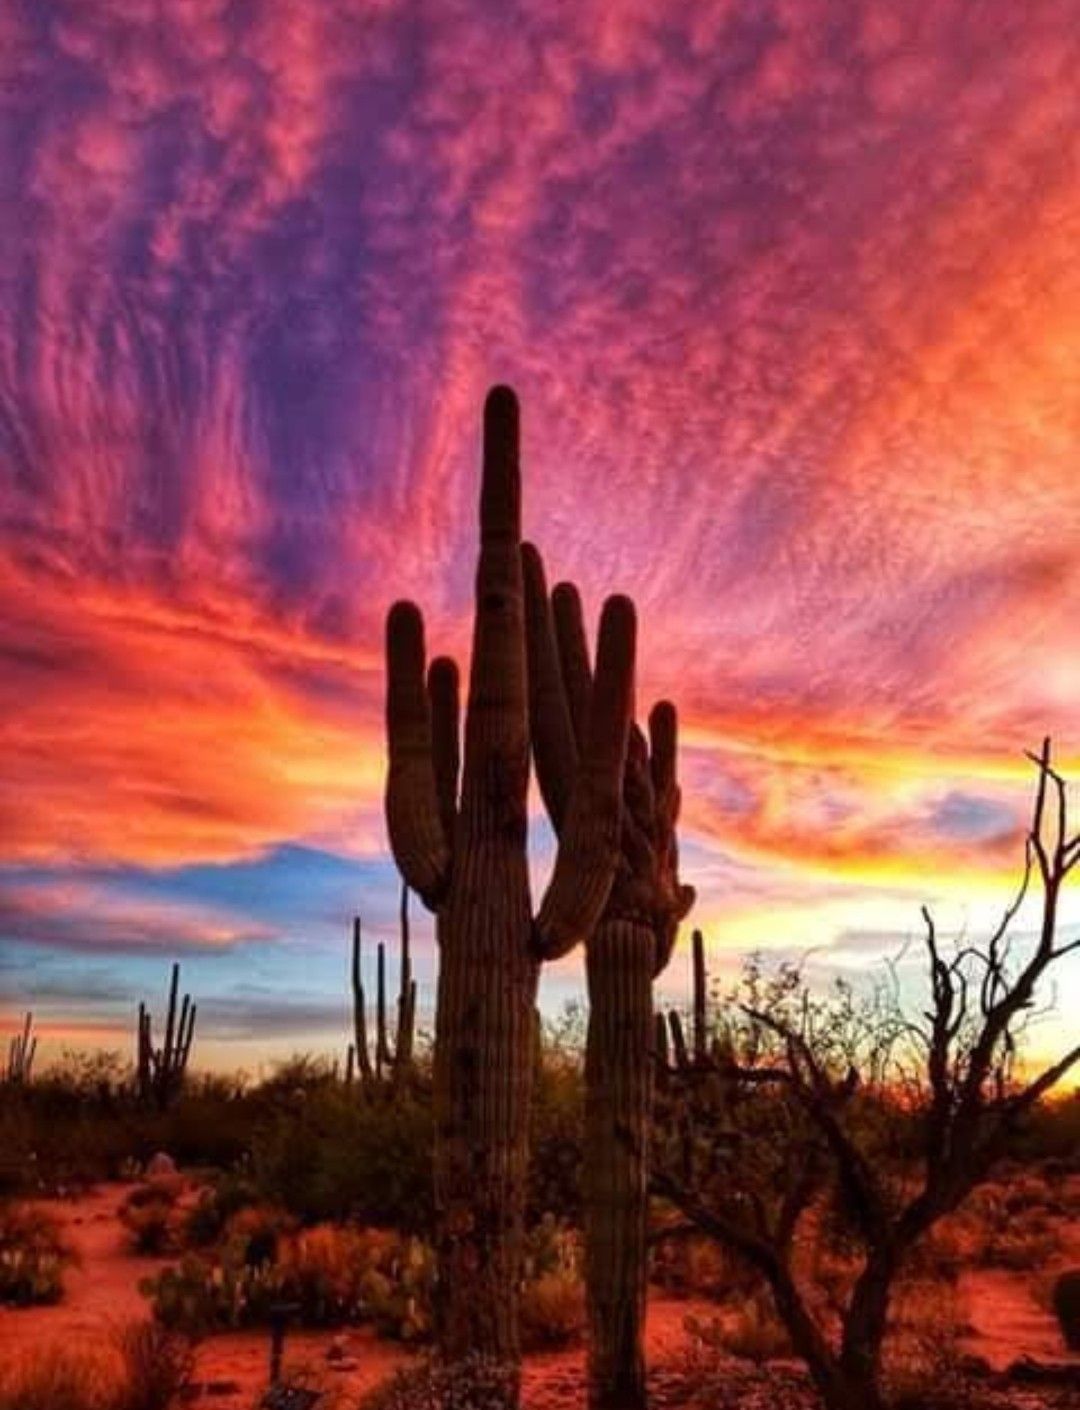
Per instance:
(791,296)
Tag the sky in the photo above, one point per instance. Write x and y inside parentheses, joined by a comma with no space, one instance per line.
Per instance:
(789,292)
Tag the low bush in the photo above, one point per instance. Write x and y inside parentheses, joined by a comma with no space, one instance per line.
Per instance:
(215,1205)
(33,1255)
(750,1331)
(479,1383)
(688,1264)
(552,1308)
(335,1276)
(152,1220)
(326,1155)
(552,1311)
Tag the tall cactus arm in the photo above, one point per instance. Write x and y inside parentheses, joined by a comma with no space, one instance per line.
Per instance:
(496,728)
(383,1055)
(700,996)
(170,1021)
(188,1036)
(550,727)
(589,845)
(360,1038)
(442,688)
(403,1041)
(417,838)
(575,677)
(573,655)
(674,899)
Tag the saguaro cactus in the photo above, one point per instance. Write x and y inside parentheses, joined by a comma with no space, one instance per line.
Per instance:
(392,1063)
(21,1050)
(464,855)
(160,1071)
(630,945)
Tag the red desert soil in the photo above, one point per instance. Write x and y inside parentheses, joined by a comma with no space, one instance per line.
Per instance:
(1007,1312)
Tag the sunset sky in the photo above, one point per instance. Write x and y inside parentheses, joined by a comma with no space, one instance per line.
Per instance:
(790,292)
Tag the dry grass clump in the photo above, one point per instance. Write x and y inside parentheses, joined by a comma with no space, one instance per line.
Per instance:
(141,1368)
(922,1347)
(552,1310)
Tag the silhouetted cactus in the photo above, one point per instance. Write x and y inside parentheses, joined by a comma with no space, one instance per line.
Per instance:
(21,1050)
(392,1064)
(1067,1307)
(631,944)
(160,1071)
(465,856)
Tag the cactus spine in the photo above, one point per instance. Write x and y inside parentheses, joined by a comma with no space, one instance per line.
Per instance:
(160,1071)
(393,1063)
(21,1050)
(631,943)
(464,854)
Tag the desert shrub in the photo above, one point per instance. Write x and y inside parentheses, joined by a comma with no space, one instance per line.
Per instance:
(1023,1248)
(552,1308)
(398,1290)
(335,1276)
(33,1255)
(1066,1301)
(479,1383)
(325,1155)
(558,1121)
(253,1234)
(150,1216)
(77,1124)
(215,1205)
(1008,1225)
(140,1368)
(749,1330)
(689,1264)
(1052,1132)
(957,1242)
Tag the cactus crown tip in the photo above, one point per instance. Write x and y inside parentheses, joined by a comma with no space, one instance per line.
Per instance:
(501,398)
(502,417)
(404,620)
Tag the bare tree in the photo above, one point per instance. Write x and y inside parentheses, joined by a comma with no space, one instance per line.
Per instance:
(799,1095)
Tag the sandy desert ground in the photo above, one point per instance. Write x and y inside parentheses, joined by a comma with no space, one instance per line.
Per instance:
(1007,1317)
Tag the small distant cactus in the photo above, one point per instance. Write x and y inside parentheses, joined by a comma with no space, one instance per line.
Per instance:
(1066,1298)
(391,1065)
(21,1050)
(160,1071)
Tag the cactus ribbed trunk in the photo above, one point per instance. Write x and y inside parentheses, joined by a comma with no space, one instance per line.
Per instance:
(484,1039)
(620,958)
